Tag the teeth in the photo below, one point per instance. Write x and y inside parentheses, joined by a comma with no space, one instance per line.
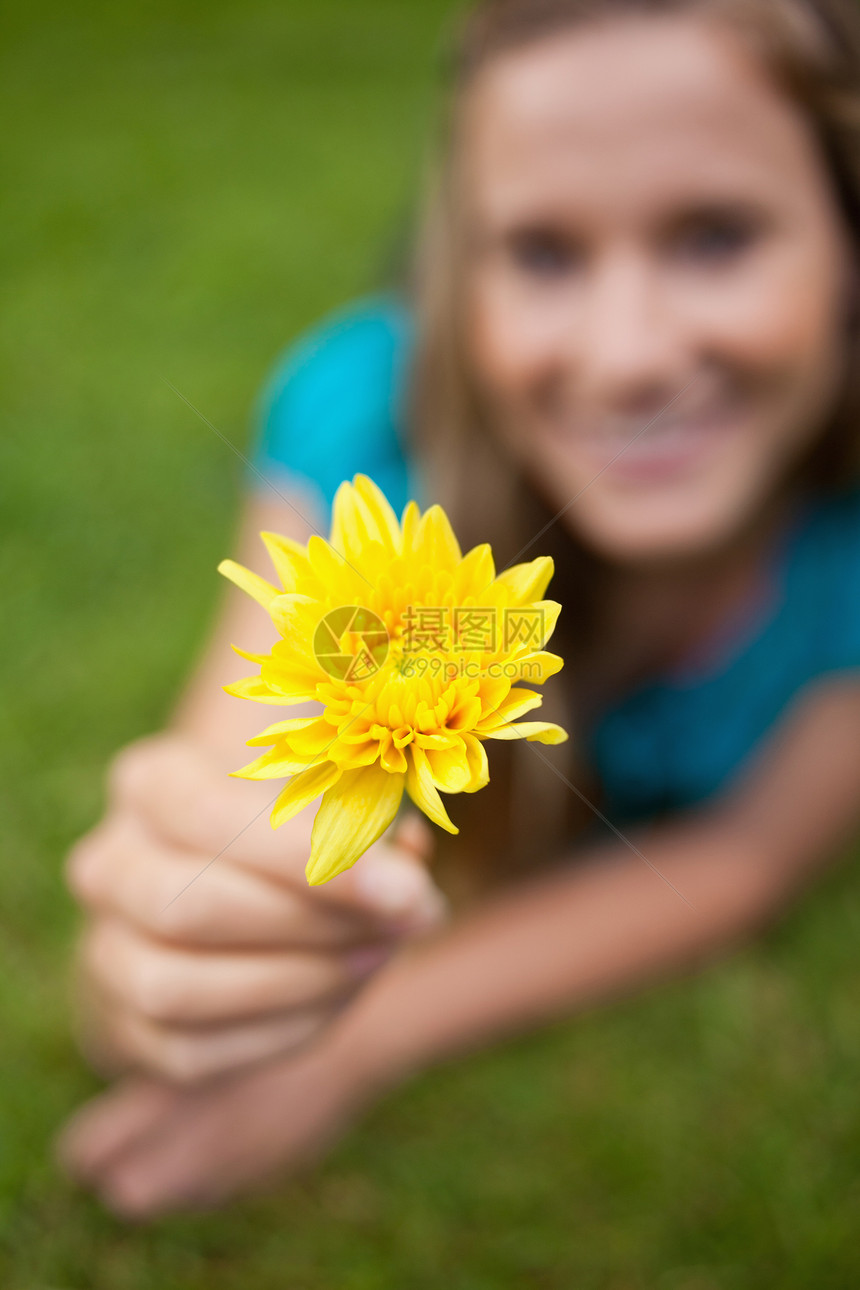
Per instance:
(661,429)
(666,440)
(664,437)
(656,437)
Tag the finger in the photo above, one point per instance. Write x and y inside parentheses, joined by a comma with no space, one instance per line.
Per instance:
(391,882)
(187,800)
(413,833)
(108,1124)
(187,1160)
(92,1013)
(121,870)
(185,1057)
(171,985)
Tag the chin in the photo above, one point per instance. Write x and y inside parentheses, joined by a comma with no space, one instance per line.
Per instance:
(653,531)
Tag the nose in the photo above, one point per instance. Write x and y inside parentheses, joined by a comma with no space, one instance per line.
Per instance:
(632,352)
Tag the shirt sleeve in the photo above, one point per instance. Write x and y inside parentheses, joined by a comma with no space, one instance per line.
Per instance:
(839,641)
(334,405)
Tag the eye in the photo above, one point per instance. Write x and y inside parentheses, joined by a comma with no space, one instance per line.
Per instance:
(715,238)
(542,252)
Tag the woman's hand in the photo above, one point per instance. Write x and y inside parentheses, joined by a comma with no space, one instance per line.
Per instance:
(148,1148)
(205,949)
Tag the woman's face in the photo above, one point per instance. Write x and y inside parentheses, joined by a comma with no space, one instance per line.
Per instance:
(658,278)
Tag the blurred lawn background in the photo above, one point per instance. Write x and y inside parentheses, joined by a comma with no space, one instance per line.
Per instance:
(186,188)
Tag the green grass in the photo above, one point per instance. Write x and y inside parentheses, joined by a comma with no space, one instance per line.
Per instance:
(185,191)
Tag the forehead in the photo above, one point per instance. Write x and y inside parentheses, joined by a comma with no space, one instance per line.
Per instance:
(626,115)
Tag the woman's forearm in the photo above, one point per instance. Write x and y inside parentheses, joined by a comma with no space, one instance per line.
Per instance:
(578,935)
(218,721)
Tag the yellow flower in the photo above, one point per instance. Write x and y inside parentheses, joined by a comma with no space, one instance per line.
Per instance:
(413,652)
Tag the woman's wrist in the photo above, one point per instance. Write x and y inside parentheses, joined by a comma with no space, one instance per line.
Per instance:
(367,1040)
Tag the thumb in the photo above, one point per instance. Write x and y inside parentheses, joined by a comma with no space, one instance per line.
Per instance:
(414,834)
(393,881)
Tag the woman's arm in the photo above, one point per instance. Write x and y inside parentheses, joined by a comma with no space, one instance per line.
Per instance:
(219,721)
(204,948)
(580,935)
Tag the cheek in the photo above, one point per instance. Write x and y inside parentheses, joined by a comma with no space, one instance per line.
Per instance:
(512,344)
(784,325)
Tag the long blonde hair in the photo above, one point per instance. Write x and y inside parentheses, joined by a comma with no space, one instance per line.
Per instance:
(811,48)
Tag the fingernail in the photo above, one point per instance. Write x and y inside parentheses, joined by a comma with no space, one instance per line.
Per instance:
(391,888)
(365,960)
(433,911)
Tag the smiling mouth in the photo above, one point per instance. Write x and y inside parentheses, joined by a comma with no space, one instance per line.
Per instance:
(672,445)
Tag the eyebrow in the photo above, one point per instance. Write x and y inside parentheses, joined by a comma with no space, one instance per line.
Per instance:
(490,226)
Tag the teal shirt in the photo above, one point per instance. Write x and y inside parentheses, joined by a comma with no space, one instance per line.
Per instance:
(334,404)
(680,738)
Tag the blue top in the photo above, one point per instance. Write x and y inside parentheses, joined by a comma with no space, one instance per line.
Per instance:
(334,405)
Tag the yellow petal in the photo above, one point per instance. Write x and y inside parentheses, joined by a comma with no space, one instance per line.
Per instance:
(252,658)
(289,558)
(479,770)
(350,756)
(349,532)
(275,764)
(543,732)
(422,790)
(474,574)
(261,590)
(294,678)
(551,610)
(393,759)
(254,687)
(492,691)
(332,570)
(296,617)
(465,713)
(435,540)
(302,789)
(387,530)
(273,732)
(436,740)
(531,626)
(351,817)
(526,583)
(303,738)
(535,668)
(313,739)
(514,705)
(410,522)
(449,767)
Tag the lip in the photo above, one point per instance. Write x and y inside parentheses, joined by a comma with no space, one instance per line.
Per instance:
(671,448)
